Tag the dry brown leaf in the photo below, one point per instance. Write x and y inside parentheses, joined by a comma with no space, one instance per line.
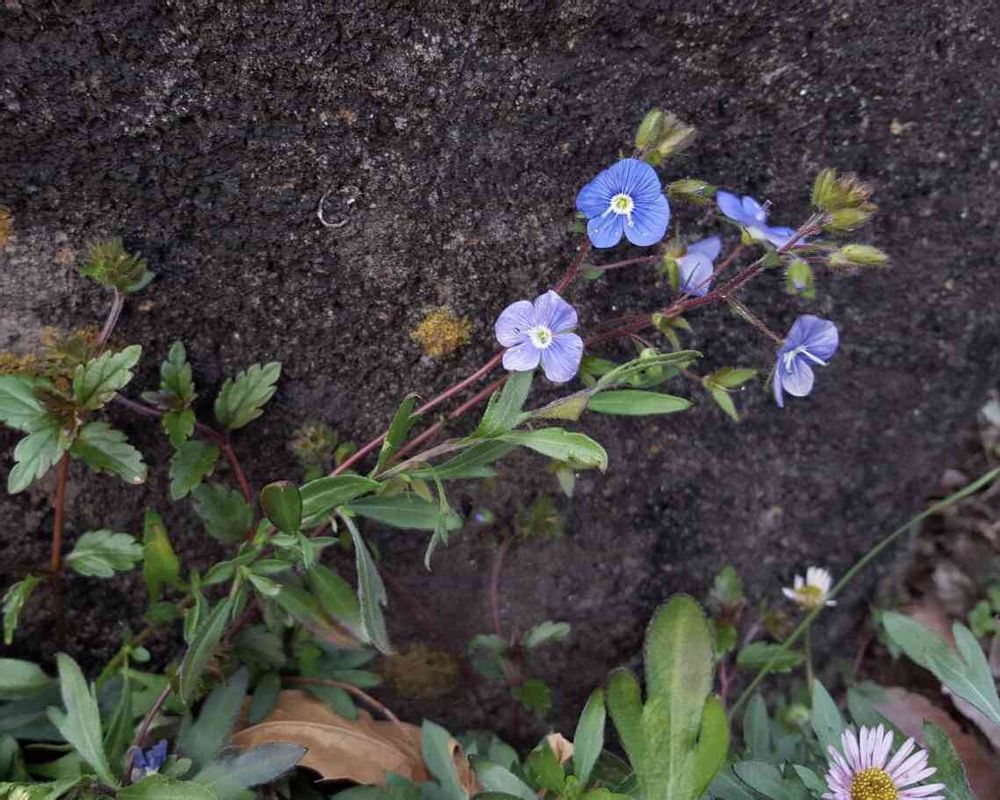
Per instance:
(362,750)
(908,710)
(561,746)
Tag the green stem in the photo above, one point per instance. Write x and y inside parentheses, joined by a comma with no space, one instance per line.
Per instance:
(809,658)
(861,563)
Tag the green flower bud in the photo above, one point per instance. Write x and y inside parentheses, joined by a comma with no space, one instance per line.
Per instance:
(650,129)
(858,254)
(847,219)
(691,190)
(109,265)
(799,279)
(676,136)
(824,193)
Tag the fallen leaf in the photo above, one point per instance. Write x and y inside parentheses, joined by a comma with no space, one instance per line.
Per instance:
(908,710)
(362,750)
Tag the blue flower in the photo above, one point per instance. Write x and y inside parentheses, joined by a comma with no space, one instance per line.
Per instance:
(696,266)
(147,762)
(752,216)
(540,331)
(625,199)
(810,340)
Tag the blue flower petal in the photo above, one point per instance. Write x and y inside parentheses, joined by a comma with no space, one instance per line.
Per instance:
(649,221)
(779,237)
(820,336)
(554,313)
(561,359)
(637,179)
(521,357)
(779,396)
(513,322)
(752,210)
(696,273)
(594,198)
(606,231)
(729,204)
(710,247)
(798,379)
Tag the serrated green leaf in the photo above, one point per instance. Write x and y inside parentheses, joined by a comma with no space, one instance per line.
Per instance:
(966,673)
(588,740)
(637,403)
(100,554)
(437,755)
(97,381)
(189,465)
(202,647)
(402,421)
(371,592)
(545,632)
(178,425)
(534,695)
(408,511)
(282,505)
(321,496)
(242,399)
(757,655)
(20,679)
(504,411)
(19,408)
(577,449)
(545,770)
(105,449)
(160,566)
(203,738)
(80,723)
(225,514)
(14,600)
(231,776)
(35,454)
(175,375)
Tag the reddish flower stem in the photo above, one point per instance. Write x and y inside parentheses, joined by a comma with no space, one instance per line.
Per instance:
(55,556)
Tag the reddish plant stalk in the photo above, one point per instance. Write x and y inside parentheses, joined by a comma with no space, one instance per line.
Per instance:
(55,557)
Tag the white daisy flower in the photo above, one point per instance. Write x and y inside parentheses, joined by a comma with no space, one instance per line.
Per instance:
(864,770)
(811,591)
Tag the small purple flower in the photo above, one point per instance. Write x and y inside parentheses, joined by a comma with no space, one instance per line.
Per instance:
(752,216)
(810,340)
(696,266)
(625,199)
(148,762)
(540,331)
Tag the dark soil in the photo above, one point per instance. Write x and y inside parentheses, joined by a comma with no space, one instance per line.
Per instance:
(206,133)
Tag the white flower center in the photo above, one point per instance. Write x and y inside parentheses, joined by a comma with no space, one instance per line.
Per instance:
(790,356)
(541,336)
(622,205)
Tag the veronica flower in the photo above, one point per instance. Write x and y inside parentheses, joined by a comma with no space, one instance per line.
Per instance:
(625,199)
(810,340)
(753,216)
(811,591)
(148,762)
(540,331)
(864,770)
(696,266)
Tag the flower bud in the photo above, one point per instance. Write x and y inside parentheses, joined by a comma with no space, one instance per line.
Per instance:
(691,190)
(846,219)
(863,255)
(676,136)
(799,279)
(650,130)
(831,193)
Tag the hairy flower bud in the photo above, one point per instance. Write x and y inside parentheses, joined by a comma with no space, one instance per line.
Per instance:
(650,129)
(691,190)
(676,136)
(858,255)
(846,219)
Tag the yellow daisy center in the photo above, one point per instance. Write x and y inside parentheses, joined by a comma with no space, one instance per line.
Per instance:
(810,595)
(873,784)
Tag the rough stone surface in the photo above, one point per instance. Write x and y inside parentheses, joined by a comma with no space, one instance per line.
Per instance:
(451,138)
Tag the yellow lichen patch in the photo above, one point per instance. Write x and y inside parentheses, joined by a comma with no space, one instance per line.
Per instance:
(15,364)
(6,225)
(441,332)
(421,673)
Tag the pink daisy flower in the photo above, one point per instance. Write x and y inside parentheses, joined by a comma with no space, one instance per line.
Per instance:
(864,770)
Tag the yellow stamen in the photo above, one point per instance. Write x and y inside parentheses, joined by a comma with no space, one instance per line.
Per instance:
(873,784)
